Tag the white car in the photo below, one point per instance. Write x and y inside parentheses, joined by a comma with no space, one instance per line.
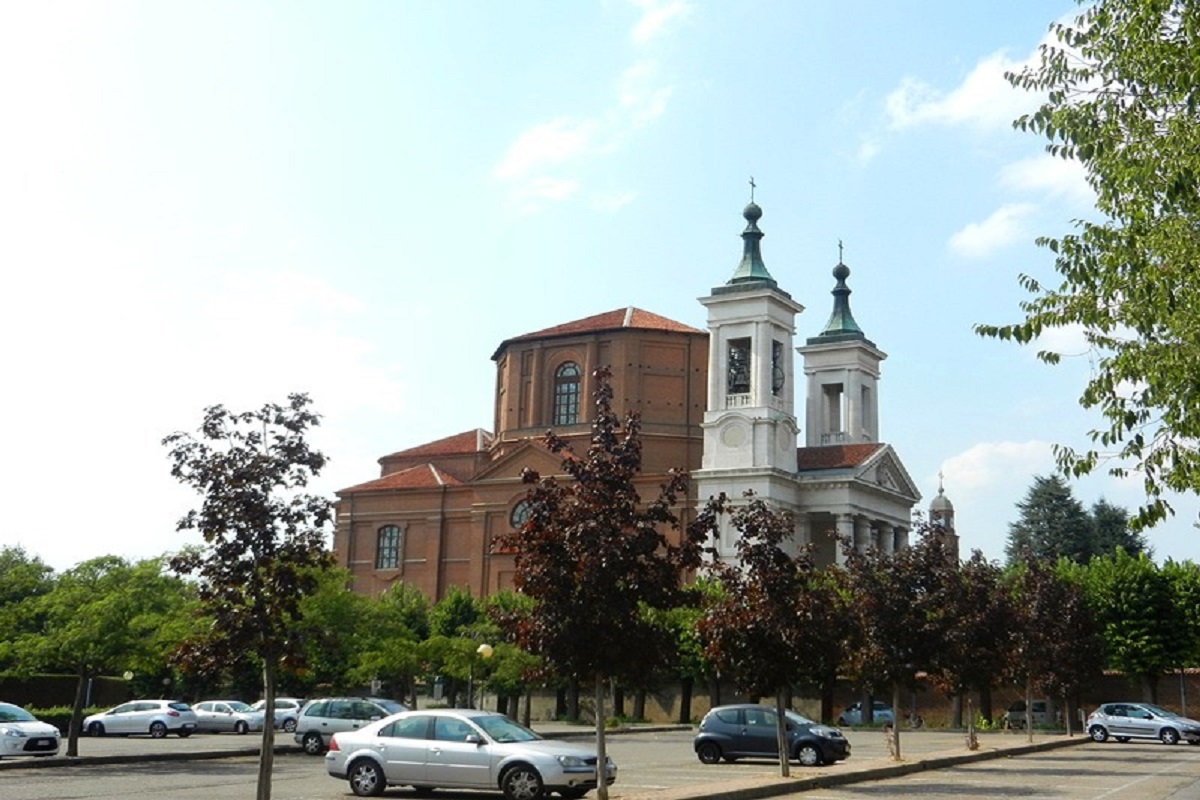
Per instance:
(1125,721)
(461,748)
(287,711)
(227,715)
(156,718)
(23,734)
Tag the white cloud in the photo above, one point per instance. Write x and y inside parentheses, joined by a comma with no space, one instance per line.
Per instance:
(656,16)
(612,201)
(984,99)
(1046,174)
(868,148)
(546,145)
(1003,227)
(988,463)
(1068,340)
(643,100)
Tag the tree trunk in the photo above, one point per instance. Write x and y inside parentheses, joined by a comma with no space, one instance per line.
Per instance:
(618,700)
(781,740)
(266,756)
(525,717)
(867,704)
(639,704)
(76,715)
(685,700)
(714,691)
(956,710)
(573,700)
(601,750)
(1029,709)
(896,722)
(560,702)
(1149,688)
(827,687)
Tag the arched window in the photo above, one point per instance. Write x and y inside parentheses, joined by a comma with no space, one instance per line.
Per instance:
(387,548)
(566,394)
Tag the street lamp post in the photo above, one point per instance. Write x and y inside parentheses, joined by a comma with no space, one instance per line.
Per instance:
(484,651)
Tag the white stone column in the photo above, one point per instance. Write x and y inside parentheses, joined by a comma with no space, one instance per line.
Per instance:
(844,531)
(901,537)
(862,534)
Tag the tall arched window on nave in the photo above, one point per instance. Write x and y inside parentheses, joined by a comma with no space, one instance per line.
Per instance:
(387,547)
(566,394)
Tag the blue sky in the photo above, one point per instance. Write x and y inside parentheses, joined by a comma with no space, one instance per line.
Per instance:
(218,202)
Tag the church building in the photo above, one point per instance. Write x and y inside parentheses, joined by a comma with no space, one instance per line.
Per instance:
(719,404)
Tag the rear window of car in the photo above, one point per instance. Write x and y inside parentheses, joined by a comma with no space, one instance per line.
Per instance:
(408,728)
(728,716)
(180,706)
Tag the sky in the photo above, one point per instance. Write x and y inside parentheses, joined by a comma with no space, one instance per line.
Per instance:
(225,202)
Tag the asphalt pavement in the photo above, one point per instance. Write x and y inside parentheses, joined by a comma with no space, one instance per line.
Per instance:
(921,750)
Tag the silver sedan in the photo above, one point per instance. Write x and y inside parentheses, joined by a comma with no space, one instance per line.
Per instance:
(232,716)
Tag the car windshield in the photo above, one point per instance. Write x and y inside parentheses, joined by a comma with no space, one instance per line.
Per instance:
(1159,712)
(391,706)
(11,713)
(237,705)
(503,729)
(798,719)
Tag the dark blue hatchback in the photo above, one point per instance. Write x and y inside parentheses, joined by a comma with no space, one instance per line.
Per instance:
(748,731)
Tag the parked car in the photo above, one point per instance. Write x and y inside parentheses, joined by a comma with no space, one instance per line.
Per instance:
(287,711)
(462,748)
(154,717)
(1042,711)
(320,719)
(1125,721)
(218,716)
(881,714)
(23,734)
(737,731)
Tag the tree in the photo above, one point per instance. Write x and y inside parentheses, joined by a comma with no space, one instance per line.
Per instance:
(592,556)
(23,578)
(1052,523)
(397,623)
(264,538)
(1121,98)
(896,613)
(1144,630)
(1055,643)
(978,626)
(1184,577)
(104,615)
(774,619)
(1111,530)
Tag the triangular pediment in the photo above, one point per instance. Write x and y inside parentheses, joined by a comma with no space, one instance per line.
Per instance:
(883,469)
(517,456)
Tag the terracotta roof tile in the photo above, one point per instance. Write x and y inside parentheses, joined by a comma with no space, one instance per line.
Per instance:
(837,456)
(471,441)
(617,319)
(422,476)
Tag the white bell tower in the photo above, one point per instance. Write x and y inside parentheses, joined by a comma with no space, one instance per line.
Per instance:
(750,422)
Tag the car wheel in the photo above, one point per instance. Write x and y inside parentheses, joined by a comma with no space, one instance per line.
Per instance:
(157,730)
(95,729)
(366,779)
(1122,739)
(573,794)
(808,755)
(424,790)
(1098,733)
(708,752)
(522,782)
(241,727)
(842,722)
(289,725)
(312,743)
(1169,736)
(183,733)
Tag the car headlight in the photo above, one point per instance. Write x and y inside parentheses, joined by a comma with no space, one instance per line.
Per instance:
(571,761)
(12,732)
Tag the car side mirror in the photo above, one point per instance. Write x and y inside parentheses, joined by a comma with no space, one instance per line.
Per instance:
(473,738)
(1148,716)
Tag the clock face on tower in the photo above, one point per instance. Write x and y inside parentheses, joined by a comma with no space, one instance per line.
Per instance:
(519,514)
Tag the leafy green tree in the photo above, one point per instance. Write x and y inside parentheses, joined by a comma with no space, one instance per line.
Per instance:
(592,556)
(1111,530)
(1184,577)
(23,578)
(264,538)
(334,626)
(774,616)
(389,648)
(1052,523)
(104,615)
(1121,98)
(1135,605)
